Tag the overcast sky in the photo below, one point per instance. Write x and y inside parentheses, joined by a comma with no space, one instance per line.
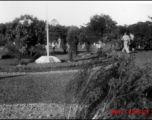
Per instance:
(77,12)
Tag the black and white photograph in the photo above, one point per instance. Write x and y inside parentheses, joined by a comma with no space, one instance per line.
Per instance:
(75,59)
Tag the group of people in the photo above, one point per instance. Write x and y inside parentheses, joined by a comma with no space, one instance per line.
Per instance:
(128,42)
(128,46)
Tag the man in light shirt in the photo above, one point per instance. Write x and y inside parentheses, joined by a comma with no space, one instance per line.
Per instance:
(132,43)
(126,40)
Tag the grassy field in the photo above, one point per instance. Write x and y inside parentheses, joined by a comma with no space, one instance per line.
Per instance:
(45,88)
(33,96)
(41,90)
(143,57)
(33,88)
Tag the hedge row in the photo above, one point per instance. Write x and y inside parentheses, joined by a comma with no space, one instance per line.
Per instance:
(37,69)
(52,68)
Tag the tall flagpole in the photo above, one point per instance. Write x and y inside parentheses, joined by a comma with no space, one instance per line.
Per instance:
(47,31)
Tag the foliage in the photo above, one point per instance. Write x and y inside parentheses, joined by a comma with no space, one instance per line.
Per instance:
(2,40)
(100,25)
(16,50)
(56,32)
(64,45)
(84,38)
(16,37)
(122,29)
(45,68)
(38,50)
(2,34)
(141,29)
(83,35)
(142,32)
(72,38)
(26,31)
(53,34)
(3,28)
(120,86)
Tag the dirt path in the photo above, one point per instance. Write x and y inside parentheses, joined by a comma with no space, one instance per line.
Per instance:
(35,111)
(49,72)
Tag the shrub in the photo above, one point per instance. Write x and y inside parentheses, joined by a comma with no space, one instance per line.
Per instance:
(2,40)
(36,56)
(16,50)
(120,85)
(64,46)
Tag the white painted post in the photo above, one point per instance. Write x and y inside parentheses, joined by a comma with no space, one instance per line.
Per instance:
(47,28)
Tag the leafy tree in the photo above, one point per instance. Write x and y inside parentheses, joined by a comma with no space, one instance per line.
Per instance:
(140,29)
(2,34)
(110,24)
(3,28)
(53,34)
(63,34)
(83,38)
(142,32)
(122,29)
(72,39)
(17,36)
(82,35)
(100,26)
(2,40)
(27,31)
(97,25)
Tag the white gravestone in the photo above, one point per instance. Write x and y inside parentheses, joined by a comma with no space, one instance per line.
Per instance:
(44,59)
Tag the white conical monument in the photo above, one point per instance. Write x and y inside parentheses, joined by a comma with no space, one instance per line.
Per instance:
(44,59)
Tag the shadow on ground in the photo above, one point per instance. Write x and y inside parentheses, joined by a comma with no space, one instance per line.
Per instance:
(11,76)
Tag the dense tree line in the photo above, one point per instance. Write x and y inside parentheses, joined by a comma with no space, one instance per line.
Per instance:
(28,32)
(143,34)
